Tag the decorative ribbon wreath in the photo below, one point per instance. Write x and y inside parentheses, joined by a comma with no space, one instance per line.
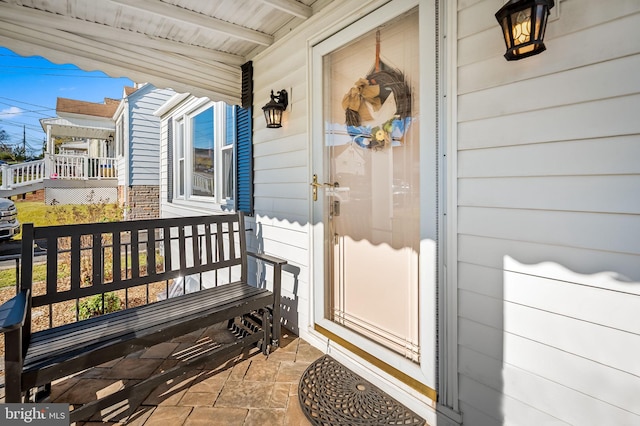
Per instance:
(371,92)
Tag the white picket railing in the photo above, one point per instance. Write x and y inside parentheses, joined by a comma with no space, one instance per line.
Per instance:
(81,167)
(22,174)
(58,167)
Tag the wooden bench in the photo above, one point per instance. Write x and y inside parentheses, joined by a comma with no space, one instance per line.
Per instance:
(93,259)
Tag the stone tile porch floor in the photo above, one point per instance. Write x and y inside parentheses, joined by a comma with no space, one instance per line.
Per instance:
(253,390)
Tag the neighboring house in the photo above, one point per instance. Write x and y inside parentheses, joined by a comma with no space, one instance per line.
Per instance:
(482,264)
(82,168)
(137,149)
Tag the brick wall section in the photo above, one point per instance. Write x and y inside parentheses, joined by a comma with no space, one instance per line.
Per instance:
(143,202)
(30,196)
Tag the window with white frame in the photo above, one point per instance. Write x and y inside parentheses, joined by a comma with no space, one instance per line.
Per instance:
(179,155)
(120,137)
(204,145)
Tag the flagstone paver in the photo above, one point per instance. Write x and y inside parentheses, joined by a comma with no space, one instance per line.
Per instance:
(251,390)
(168,415)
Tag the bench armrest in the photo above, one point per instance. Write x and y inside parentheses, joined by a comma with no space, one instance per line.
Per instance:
(267,258)
(13,312)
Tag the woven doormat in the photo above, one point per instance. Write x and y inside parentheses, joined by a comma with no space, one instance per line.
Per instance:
(331,394)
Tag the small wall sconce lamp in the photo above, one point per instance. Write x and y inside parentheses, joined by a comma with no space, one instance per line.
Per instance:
(274,108)
(523,24)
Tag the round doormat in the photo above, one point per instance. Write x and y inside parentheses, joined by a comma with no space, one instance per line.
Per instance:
(331,394)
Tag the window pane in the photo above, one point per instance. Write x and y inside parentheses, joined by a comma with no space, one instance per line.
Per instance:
(179,150)
(227,173)
(181,177)
(179,140)
(203,153)
(230,128)
(120,138)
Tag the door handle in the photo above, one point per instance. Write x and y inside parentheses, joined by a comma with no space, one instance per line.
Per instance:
(315,185)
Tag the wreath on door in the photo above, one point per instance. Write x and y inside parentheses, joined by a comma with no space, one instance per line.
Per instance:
(374,93)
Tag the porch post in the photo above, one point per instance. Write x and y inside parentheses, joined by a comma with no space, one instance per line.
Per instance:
(5,177)
(85,168)
(48,165)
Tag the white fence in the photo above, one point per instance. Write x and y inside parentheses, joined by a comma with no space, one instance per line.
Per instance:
(81,167)
(57,167)
(22,174)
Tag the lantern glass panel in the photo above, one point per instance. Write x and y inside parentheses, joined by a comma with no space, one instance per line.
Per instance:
(273,117)
(506,28)
(521,26)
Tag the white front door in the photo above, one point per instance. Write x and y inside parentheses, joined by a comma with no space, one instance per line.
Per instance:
(368,197)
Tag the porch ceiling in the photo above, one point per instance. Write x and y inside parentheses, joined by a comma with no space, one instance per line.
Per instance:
(78,127)
(188,45)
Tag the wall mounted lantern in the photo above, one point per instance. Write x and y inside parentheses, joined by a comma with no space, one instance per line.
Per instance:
(523,23)
(274,108)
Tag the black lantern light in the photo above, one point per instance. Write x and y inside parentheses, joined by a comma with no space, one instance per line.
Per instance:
(523,23)
(274,108)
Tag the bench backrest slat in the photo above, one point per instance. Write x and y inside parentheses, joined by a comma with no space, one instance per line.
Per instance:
(242,240)
(96,261)
(113,256)
(151,247)
(75,261)
(220,243)
(208,243)
(135,258)
(52,264)
(182,248)
(117,260)
(195,245)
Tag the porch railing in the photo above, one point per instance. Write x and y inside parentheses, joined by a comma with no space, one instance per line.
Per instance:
(81,167)
(22,174)
(57,166)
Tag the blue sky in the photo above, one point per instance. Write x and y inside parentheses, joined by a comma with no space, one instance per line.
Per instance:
(29,87)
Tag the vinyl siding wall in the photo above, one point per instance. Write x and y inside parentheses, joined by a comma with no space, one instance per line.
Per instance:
(549,219)
(144,136)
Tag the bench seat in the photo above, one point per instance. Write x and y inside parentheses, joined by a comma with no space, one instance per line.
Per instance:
(107,337)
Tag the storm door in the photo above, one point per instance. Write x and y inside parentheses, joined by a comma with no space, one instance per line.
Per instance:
(366,187)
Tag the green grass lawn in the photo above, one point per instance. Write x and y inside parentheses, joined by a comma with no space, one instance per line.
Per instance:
(33,212)
(40,214)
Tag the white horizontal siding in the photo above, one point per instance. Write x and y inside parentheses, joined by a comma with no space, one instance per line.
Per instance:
(548,254)
(597,231)
(615,271)
(144,135)
(599,156)
(607,79)
(568,193)
(596,119)
(488,406)
(543,394)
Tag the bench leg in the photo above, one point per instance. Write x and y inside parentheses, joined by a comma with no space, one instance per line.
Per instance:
(38,394)
(266,330)
(277,310)
(13,362)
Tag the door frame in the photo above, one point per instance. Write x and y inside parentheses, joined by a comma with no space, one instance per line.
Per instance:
(421,377)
